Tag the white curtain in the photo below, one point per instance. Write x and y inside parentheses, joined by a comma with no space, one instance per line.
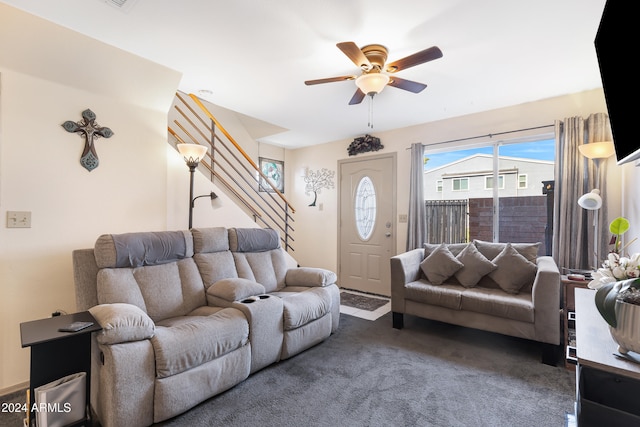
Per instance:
(575,175)
(416,222)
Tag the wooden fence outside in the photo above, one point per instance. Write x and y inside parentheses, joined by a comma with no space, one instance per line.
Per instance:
(522,219)
(447,221)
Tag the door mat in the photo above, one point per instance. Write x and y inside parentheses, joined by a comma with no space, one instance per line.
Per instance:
(361,302)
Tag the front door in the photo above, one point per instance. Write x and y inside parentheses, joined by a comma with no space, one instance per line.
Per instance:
(366,231)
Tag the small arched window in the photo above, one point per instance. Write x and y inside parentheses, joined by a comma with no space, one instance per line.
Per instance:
(365,208)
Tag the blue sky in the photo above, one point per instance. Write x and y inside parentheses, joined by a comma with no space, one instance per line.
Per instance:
(539,150)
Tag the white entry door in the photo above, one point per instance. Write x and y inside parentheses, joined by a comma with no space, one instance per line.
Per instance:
(367,231)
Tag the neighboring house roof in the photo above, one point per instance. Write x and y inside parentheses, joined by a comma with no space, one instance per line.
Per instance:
(489,157)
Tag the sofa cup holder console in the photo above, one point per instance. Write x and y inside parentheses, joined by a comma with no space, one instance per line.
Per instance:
(254,299)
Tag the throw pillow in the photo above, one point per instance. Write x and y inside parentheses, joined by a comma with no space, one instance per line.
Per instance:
(440,265)
(475,266)
(492,249)
(514,271)
(455,248)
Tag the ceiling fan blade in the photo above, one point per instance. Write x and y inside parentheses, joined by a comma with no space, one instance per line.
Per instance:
(329,80)
(355,54)
(416,59)
(409,85)
(357,97)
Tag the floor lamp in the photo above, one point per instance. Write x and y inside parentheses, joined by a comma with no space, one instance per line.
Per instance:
(595,151)
(192,154)
(592,201)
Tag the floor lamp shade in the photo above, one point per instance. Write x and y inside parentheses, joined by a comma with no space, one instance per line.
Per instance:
(591,200)
(192,153)
(597,150)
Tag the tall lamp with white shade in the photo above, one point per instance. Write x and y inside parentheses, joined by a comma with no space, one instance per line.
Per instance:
(193,154)
(592,200)
(597,151)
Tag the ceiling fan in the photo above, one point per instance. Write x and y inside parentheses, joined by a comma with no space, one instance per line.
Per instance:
(375,73)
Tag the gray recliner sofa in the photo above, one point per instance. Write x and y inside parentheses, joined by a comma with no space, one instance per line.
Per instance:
(498,287)
(187,315)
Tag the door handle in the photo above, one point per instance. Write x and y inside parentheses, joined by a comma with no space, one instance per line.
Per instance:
(388,234)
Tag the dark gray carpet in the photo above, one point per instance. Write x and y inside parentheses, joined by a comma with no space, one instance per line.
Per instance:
(8,415)
(369,374)
(361,302)
(428,374)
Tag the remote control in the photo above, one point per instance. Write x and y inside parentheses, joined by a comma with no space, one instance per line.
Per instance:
(75,326)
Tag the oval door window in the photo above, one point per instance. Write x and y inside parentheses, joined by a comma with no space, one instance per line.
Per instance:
(365,208)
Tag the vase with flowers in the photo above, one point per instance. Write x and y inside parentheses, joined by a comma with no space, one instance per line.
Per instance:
(617,285)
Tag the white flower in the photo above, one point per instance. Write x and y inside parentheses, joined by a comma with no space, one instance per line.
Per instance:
(619,272)
(601,278)
(632,271)
(616,268)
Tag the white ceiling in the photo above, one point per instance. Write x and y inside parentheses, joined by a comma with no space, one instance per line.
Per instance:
(254,56)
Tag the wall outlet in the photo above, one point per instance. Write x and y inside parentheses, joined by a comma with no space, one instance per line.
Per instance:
(403,218)
(18,219)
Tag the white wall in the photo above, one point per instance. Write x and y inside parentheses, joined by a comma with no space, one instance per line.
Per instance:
(631,203)
(45,79)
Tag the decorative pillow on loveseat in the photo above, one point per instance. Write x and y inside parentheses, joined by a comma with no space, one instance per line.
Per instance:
(454,248)
(475,266)
(514,270)
(492,249)
(440,264)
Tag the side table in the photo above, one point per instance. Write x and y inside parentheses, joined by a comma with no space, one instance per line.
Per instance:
(569,318)
(56,354)
(607,385)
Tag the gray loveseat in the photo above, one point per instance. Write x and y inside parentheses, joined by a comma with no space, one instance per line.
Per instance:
(497,287)
(187,315)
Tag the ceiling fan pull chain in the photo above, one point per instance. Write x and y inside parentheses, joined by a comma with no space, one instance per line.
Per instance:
(370,124)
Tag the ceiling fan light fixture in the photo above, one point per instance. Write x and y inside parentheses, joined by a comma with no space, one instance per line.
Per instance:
(372,83)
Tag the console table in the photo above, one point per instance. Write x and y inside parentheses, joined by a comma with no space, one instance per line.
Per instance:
(607,385)
(56,354)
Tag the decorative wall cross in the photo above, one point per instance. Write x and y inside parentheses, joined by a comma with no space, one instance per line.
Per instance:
(91,131)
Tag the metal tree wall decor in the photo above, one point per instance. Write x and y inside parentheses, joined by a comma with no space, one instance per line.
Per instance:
(90,130)
(364,144)
(316,181)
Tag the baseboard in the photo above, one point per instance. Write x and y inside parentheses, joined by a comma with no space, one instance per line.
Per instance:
(14,388)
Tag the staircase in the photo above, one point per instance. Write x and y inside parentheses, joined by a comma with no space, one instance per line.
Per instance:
(231,168)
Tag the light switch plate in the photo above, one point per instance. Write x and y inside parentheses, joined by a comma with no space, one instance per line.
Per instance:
(18,219)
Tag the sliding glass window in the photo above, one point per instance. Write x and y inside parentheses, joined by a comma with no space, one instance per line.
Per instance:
(464,203)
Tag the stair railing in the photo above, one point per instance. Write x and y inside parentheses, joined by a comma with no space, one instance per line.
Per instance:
(229,166)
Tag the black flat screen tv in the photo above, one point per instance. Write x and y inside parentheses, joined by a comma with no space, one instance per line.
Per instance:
(616,46)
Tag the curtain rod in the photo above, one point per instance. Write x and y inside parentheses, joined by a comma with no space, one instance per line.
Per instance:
(490,135)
